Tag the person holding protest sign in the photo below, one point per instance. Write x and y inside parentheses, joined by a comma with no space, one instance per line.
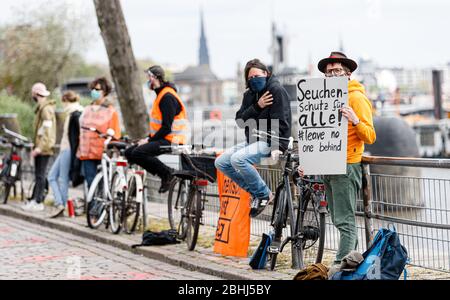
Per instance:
(265,107)
(342,190)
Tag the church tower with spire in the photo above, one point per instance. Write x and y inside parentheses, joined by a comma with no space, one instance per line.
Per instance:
(204,52)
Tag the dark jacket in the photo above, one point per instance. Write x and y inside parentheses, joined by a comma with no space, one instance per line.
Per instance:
(280,110)
(74,139)
(170,108)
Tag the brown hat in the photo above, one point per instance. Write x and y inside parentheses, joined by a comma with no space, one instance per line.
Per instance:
(158,72)
(337,57)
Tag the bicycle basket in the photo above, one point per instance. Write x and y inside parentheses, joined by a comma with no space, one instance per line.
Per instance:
(201,165)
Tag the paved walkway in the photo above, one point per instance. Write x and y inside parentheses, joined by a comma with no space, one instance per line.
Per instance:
(202,260)
(31,252)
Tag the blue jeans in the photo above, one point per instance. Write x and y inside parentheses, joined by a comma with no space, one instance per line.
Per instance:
(89,170)
(238,163)
(58,178)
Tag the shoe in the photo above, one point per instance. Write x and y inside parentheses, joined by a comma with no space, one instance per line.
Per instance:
(259,205)
(28,205)
(165,183)
(33,206)
(334,269)
(58,212)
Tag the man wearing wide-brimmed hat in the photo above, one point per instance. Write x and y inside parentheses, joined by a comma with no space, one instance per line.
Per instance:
(342,190)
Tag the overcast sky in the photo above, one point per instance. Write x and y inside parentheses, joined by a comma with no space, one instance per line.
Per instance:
(392,32)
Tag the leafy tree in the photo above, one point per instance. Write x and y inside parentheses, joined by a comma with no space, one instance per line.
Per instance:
(41,45)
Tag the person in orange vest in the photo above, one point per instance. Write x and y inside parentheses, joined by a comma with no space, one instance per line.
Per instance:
(102,116)
(168,126)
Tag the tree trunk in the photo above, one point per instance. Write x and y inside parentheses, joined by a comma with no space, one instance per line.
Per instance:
(123,66)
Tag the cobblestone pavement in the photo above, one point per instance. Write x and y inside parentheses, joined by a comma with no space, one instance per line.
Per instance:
(202,260)
(31,252)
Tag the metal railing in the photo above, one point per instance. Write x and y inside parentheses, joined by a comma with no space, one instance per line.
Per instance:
(418,206)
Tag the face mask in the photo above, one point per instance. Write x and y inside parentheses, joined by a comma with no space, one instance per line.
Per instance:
(257,84)
(95,95)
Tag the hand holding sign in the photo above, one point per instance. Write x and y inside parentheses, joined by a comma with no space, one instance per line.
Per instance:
(266,100)
(349,113)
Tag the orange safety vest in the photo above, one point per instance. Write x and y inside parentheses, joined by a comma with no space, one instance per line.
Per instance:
(180,124)
(91,145)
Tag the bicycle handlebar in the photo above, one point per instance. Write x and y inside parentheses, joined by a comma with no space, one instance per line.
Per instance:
(109,134)
(14,134)
(260,134)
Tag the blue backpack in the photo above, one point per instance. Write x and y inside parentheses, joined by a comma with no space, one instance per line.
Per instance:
(259,259)
(384,260)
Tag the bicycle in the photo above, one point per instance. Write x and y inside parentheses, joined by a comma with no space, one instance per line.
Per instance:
(11,171)
(107,193)
(306,218)
(187,195)
(136,200)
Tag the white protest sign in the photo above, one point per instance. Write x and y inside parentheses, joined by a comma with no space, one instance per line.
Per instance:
(322,128)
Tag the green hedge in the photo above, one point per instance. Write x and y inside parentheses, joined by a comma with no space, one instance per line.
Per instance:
(24,111)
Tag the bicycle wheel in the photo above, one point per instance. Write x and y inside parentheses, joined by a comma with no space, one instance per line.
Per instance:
(117,207)
(5,189)
(145,209)
(312,230)
(96,204)
(132,208)
(278,222)
(194,214)
(176,205)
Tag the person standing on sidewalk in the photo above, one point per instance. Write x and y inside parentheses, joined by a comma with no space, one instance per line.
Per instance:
(168,126)
(59,174)
(342,190)
(44,143)
(102,116)
(267,107)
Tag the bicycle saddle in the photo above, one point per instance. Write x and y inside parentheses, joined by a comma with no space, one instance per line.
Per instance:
(118,146)
(184,175)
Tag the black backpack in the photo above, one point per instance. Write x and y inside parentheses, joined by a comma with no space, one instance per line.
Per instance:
(150,238)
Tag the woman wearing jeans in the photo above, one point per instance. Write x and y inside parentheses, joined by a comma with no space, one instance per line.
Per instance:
(59,174)
(266,107)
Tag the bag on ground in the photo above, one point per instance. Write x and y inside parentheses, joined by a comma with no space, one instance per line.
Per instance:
(150,238)
(313,272)
(259,259)
(384,260)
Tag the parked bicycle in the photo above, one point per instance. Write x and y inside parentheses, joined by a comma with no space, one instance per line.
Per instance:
(135,207)
(306,217)
(11,172)
(107,194)
(187,194)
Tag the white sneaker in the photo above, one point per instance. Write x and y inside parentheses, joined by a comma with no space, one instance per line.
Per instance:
(34,206)
(37,207)
(28,205)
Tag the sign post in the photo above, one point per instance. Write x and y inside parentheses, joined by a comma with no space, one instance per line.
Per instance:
(322,128)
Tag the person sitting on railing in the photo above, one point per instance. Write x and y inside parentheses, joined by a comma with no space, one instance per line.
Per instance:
(266,106)
(342,190)
(168,126)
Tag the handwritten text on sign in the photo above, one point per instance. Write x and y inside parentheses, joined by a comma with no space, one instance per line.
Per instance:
(322,128)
